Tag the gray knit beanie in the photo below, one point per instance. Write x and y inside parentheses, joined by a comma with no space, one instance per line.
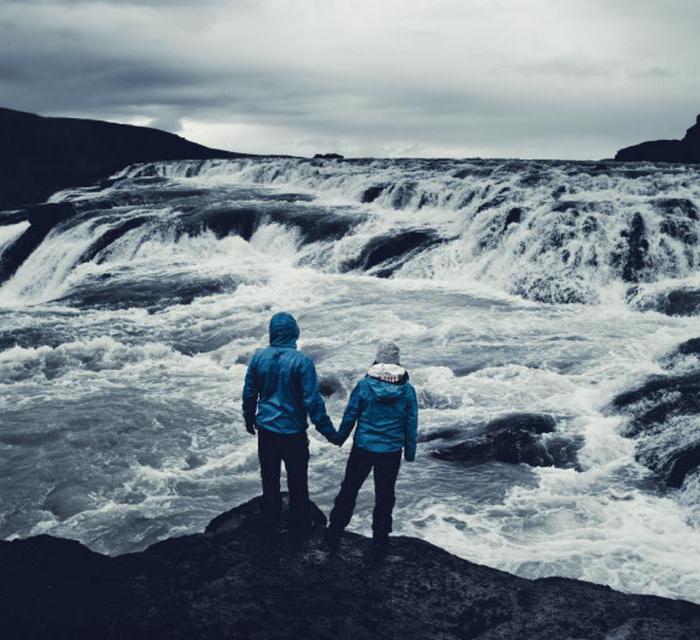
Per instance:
(387,353)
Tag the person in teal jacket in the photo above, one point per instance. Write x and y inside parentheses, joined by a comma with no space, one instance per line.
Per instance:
(384,407)
(280,393)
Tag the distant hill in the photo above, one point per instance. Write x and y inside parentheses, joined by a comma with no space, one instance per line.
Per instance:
(685,150)
(39,156)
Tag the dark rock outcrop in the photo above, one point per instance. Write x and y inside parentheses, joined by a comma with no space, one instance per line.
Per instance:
(331,385)
(514,216)
(663,418)
(370,194)
(312,223)
(392,250)
(660,398)
(685,150)
(515,438)
(232,582)
(636,260)
(684,301)
(689,347)
(329,156)
(39,156)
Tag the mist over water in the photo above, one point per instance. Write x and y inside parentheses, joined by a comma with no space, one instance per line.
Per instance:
(125,335)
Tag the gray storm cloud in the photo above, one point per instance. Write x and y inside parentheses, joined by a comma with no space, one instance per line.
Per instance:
(542,78)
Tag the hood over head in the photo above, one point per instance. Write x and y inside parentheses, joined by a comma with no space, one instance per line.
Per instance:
(284,330)
(387,381)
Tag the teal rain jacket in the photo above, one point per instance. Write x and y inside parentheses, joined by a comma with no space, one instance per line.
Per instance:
(281,388)
(386,414)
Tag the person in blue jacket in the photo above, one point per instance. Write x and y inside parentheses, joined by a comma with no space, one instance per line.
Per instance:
(383,405)
(281,390)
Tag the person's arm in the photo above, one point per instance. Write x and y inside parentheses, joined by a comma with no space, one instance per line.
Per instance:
(315,406)
(250,396)
(411,435)
(351,415)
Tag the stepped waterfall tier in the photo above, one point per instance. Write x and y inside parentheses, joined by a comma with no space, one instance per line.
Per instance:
(546,311)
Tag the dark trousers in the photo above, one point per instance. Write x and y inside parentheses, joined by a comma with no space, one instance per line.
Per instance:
(293,450)
(360,463)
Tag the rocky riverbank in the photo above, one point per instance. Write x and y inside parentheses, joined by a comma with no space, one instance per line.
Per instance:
(232,582)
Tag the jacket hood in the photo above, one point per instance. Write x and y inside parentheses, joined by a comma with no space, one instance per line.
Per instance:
(284,330)
(388,372)
(387,382)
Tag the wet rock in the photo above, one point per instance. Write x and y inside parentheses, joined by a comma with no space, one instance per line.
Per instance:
(672,463)
(680,219)
(234,582)
(660,398)
(684,301)
(530,422)
(514,216)
(515,438)
(664,419)
(636,261)
(439,434)
(110,237)
(689,347)
(154,294)
(389,248)
(372,193)
(312,223)
(331,385)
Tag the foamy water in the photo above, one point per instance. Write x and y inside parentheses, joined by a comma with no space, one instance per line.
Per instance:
(123,361)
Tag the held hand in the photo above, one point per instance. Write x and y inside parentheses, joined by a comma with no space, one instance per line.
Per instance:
(336,440)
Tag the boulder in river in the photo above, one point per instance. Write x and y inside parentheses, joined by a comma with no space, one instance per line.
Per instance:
(515,438)
(391,250)
(664,416)
(331,385)
(680,301)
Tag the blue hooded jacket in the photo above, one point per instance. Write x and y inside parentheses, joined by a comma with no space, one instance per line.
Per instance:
(386,414)
(281,388)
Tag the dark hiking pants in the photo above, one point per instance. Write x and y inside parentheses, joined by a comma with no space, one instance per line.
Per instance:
(293,450)
(360,463)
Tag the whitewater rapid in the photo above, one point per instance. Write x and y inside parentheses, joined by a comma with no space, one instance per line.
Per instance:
(125,335)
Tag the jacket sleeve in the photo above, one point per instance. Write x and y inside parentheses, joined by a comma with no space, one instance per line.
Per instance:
(250,393)
(315,406)
(352,413)
(411,435)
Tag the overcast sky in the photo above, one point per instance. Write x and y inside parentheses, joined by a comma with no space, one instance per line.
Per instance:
(505,78)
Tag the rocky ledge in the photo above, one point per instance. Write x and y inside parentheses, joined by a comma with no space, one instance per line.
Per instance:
(233,582)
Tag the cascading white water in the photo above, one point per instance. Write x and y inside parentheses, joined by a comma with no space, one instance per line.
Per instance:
(125,332)
(559,232)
